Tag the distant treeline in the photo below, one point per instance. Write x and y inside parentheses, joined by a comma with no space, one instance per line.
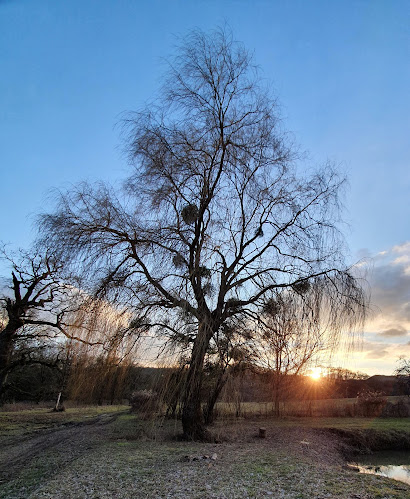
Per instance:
(100,382)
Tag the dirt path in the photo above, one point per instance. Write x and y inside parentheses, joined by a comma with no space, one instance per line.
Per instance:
(67,442)
(131,458)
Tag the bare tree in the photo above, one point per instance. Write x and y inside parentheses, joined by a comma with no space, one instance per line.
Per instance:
(28,309)
(99,364)
(402,374)
(215,215)
(297,327)
(39,310)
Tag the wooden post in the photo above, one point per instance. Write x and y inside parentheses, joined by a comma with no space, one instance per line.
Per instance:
(56,408)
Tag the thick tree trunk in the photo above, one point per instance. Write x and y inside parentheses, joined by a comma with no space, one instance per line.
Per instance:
(192,421)
(209,414)
(6,348)
(175,387)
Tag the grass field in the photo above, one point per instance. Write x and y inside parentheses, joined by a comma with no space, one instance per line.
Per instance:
(19,419)
(104,452)
(305,408)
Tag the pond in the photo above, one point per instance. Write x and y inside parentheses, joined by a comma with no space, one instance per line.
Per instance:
(391,464)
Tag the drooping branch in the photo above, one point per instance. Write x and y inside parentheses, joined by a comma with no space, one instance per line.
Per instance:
(215,215)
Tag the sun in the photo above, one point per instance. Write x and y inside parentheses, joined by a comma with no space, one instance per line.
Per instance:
(316,373)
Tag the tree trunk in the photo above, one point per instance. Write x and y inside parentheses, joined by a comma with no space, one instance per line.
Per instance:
(209,409)
(175,387)
(6,348)
(114,386)
(277,385)
(277,403)
(192,421)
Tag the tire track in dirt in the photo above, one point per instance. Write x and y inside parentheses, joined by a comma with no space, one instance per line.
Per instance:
(68,442)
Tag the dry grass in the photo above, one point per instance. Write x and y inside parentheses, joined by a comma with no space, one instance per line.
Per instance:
(296,408)
(24,419)
(127,457)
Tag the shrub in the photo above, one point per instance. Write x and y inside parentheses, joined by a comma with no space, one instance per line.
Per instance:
(370,403)
(398,410)
(145,402)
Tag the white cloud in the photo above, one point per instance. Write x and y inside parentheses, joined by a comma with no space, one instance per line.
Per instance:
(402,248)
(401,259)
(387,330)
(389,280)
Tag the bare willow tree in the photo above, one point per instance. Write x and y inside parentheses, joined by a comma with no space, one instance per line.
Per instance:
(99,364)
(215,214)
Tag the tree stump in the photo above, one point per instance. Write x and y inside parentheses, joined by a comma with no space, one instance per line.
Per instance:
(262,432)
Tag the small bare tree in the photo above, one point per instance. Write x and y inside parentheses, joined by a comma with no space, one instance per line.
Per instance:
(215,215)
(402,374)
(296,327)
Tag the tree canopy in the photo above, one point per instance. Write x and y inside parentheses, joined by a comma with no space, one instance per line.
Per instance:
(215,216)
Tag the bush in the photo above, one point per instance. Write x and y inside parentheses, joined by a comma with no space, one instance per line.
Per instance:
(144,402)
(370,403)
(398,410)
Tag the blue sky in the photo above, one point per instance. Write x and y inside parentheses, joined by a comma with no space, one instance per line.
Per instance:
(340,70)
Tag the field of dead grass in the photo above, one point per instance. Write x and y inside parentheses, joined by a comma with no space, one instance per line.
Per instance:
(118,455)
(331,408)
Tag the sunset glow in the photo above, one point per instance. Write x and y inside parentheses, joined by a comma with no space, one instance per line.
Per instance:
(316,373)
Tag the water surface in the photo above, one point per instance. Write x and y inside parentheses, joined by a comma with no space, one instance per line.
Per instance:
(390,464)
